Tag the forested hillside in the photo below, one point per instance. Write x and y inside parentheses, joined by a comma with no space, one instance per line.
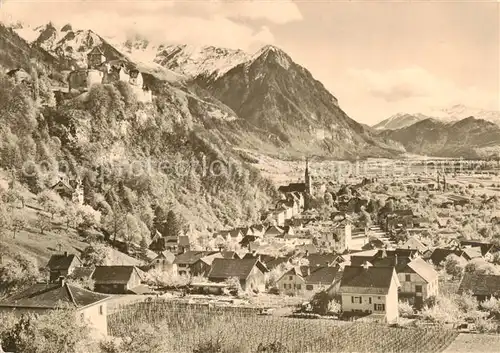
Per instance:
(133,159)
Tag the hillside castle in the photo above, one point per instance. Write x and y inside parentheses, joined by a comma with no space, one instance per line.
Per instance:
(100,70)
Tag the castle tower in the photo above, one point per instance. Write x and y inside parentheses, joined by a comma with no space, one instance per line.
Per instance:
(95,58)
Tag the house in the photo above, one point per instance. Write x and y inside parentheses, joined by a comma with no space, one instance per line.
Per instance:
(306,281)
(62,265)
(323,259)
(274,231)
(250,272)
(414,243)
(399,219)
(189,258)
(204,264)
(174,244)
(370,290)
(118,279)
(419,281)
(164,261)
(481,286)
(442,222)
(439,255)
(322,278)
(293,281)
(307,248)
(69,189)
(41,298)
(485,247)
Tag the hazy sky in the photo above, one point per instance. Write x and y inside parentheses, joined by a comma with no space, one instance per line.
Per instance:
(378,58)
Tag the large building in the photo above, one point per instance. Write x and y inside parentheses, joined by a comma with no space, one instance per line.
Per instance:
(101,70)
(41,298)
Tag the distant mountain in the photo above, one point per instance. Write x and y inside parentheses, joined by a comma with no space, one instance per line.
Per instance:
(16,52)
(292,110)
(460,111)
(468,138)
(451,114)
(266,101)
(399,121)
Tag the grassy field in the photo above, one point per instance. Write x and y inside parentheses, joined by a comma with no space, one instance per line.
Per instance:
(474,343)
(190,325)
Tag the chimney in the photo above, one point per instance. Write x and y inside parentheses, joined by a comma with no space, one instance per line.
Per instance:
(395,259)
(61,281)
(366,265)
(307,253)
(65,254)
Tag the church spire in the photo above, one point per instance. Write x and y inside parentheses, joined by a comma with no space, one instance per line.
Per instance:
(307,177)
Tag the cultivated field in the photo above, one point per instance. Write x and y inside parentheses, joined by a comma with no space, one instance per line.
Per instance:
(474,343)
(236,327)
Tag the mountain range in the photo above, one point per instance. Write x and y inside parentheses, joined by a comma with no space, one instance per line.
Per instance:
(451,114)
(261,101)
(467,138)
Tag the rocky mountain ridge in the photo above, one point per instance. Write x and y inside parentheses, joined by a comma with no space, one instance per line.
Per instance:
(467,138)
(449,115)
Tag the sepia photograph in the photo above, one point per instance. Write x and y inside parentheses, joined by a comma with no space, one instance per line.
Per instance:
(249,176)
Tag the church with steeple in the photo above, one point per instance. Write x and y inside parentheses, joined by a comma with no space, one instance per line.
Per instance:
(302,188)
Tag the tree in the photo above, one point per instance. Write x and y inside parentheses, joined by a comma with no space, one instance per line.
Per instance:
(173,227)
(5,219)
(43,222)
(21,270)
(454,265)
(18,224)
(405,309)
(50,202)
(43,334)
(114,222)
(320,303)
(96,254)
(70,215)
(142,338)
(87,217)
(131,232)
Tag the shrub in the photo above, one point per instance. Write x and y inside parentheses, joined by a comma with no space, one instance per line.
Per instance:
(405,309)
(275,347)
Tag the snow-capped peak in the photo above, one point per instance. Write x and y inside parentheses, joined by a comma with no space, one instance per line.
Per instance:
(274,53)
(193,61)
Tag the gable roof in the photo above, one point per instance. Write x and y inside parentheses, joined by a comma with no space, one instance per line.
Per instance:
(316,260)
(322,275)
(440,254)
(190,257)
(423,269)
(274,230)
(414,243)
(293,187)
(480,284)
(114,274)
(371,280)
(62,261)
(49,296)
(472,253)
(167,255)
(240,268)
